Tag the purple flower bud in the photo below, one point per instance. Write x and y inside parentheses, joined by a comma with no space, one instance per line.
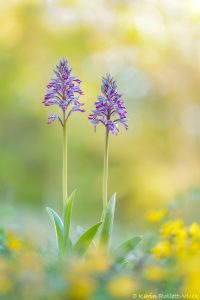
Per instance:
(64,91)
(110,109)
(52,118)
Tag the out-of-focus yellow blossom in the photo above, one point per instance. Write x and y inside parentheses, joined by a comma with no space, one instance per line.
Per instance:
(31,270)
(5,284)
(97,261)
(121,286)
(156,216)
(173,228)
(191,272)
(181,234)
(194,231)
(192,284)
(155,273)
(30,261)
(162,250)
(180,242)
(195,247)
(4,265)
(13,243)
(82,270)
(81,289)
(179,248)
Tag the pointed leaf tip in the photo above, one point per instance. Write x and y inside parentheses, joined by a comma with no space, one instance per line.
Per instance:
(125,248)
(58,225)
(108,219)
(83,243)
(67,214)
(72,195)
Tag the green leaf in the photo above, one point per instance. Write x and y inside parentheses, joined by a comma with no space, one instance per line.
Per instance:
(80,231)
(125,248)
(86,239)
(59,228)
(67,213)
(107,225)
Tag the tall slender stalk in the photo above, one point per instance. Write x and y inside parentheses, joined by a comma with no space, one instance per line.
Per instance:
(109,111)
(64,162)
(105,170)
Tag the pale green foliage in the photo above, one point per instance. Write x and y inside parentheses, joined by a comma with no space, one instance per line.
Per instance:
(62,229)
(107,225)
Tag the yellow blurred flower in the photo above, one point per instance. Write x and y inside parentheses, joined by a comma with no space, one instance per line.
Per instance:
(81,288)
(13,243)
(5,284)
(162,250)
(4,265)
(192,283)
(156,216)
(30,261)
(180,242)
(194,231)
(82,270)
(190,264)
(97,261)
(195,247)
(121,287)
(155,273)
(179,248)
(172,228)
(31,269)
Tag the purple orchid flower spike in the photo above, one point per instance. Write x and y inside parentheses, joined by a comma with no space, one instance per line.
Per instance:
(110,109)
(64,91)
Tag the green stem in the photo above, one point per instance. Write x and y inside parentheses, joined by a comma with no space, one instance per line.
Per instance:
(64,162)
(105,171)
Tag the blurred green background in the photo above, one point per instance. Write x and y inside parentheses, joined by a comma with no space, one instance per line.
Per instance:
(152,48)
